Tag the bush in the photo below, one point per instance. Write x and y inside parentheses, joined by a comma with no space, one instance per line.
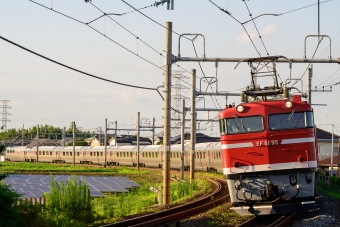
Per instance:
(334,181)
(69,204)
(9,215)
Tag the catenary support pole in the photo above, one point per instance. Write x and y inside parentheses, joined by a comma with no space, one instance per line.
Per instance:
(22,135)
(37,143)
(115,133)
(137,125)
(309,84)
(332,151)
(153,131)
(167,113)
(182,139)
(74,141)
(193,125)
(64,139)
(338,157)
(105,142)
(100,136)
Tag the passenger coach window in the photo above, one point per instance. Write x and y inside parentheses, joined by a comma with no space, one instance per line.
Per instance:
(238,125)
(290,120)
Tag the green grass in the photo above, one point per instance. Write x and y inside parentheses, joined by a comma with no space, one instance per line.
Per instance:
(115,207)
(332,189)
(224,216)
(28,167)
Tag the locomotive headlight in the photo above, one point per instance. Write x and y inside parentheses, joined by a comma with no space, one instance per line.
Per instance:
(288,104)
(240,109)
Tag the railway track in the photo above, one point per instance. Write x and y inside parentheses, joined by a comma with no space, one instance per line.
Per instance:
(270,221)
(217,197)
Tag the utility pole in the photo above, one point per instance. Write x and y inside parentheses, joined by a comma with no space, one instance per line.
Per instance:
(182,139)
(100,136)
(74,141)
(115,133)
(37,143)
(153,130)
(319,19)
(332,151)
(193,125)
(167,113)
(64,139)
(338,156)
(138,122)
(105,138)
(22,135)
(309,84)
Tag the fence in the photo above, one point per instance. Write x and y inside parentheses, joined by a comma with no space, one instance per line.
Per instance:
(34,201)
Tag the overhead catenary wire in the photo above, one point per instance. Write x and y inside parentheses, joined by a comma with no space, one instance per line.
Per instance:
(137,37)
(275,14)
(104,36)
(152,19)
(309,63)
(227,12)
(256,27)
(77,70)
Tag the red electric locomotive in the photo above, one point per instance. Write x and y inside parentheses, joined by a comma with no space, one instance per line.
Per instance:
(269,148)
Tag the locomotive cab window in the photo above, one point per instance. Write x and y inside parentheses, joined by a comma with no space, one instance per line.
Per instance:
(237,125)
(291,120)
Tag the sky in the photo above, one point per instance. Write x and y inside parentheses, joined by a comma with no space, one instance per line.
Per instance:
(41,92)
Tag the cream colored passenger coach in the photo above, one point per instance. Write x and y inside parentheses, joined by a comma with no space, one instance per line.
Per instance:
(208,155)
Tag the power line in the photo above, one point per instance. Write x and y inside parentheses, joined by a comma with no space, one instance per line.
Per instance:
(227,12)
(309,63)
(152,19)
(256,27)
(330,43)
(273,14)
(107,38)
(77,70)
(161,54)
(330,77)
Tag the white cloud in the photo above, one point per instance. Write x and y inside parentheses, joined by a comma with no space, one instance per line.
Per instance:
(243,39)
(269,30)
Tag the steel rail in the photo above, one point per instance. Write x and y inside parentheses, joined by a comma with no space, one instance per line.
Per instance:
(178,212)
(284,220)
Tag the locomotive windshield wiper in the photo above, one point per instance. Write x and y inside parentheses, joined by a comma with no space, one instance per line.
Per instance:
(240,122)
(299,120)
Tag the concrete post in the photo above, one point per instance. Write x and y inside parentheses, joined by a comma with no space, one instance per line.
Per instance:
(167,113)
(22,135)
(115,133)
(138,122)
(105,142)
(37,143)
(182,139)
(332,151)
(309,84)
(153,130)
(64,136)
(193,125)
(74,141)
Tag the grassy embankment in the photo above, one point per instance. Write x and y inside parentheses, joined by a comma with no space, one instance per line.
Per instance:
(46,168)
(332,189)
(115,207)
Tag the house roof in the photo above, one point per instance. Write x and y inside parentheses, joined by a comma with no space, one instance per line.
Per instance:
(324,135)
(327,161)
(200,138)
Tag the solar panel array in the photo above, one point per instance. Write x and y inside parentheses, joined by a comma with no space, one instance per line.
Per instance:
(34,186)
